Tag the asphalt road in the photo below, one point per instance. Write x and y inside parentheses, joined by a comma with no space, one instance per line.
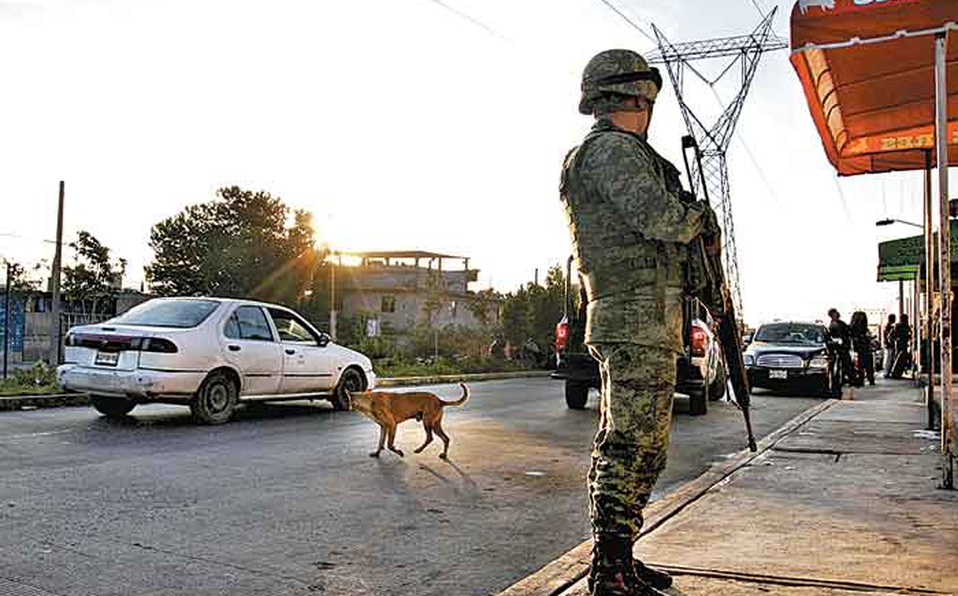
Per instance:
(285,500)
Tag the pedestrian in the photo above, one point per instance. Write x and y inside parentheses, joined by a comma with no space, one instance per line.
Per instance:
(841,340)
(889,342)
(862,344)
(902,338)
(632,232)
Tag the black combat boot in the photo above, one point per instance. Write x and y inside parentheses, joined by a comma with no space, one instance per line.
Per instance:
(613,572)
(653,577)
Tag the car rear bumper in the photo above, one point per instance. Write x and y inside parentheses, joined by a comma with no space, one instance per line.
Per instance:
(370,379)
(137,384)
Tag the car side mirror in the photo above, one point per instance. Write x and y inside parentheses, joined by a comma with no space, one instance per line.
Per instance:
(324,340)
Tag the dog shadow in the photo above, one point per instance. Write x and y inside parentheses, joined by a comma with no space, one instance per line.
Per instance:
(465,484)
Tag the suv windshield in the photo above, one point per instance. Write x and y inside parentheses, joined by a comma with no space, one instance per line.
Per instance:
(181,314)
(791,333)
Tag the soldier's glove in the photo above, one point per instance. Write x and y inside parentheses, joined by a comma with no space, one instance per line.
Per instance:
(711,221)
(713,244)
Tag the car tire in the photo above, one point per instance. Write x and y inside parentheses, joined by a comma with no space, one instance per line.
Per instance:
(216,400)
(719,386)
(352,381)
(698,405)
(112,407)
(576,394)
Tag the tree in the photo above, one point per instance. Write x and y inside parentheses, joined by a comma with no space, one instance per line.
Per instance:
(21,280)
(237,245)
(532,311)
(95,277)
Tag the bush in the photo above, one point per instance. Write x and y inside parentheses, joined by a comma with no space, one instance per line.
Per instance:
(38,379)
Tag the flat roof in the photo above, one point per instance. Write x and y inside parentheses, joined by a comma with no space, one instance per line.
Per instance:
(396,254)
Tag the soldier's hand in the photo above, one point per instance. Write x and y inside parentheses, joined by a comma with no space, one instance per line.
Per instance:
(711,226)
(686,197)
(713,244)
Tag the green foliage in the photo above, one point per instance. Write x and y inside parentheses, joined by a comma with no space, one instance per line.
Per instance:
(24,281)
(532,311)
(95,276)
(237,245)
(36,380)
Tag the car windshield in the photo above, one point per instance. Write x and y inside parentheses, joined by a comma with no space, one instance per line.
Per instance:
(791,333)
(182,314)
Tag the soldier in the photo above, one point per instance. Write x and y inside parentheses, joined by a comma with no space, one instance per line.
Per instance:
(632,232)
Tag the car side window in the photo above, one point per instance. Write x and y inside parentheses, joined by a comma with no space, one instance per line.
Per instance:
(252,324)
(231,329)
(291,328)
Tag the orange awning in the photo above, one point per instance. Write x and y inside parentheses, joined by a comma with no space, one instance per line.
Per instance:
(868,71)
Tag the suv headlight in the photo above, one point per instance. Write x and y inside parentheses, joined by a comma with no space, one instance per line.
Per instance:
(818,363)
(748,359)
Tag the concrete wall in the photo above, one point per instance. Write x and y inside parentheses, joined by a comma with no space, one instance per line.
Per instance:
(410,309)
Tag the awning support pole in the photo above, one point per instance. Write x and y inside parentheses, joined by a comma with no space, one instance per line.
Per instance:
(929,296)
(944,255)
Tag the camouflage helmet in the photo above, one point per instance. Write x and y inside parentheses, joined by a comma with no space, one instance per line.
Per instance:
(621,72)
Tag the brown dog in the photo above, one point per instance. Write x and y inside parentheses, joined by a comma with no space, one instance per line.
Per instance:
(389,409)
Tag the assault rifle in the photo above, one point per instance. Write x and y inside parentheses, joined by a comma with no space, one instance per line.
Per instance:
(721,299)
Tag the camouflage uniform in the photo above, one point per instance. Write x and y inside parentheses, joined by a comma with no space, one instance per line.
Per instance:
(631,233)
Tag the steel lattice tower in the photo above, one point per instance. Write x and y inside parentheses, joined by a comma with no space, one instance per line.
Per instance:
(745,51)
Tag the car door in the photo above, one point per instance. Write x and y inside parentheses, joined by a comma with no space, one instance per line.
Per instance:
(250,346)
(306,361)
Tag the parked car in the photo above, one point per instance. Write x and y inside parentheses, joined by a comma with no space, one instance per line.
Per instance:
(791,355)
(700,372)
(210,354)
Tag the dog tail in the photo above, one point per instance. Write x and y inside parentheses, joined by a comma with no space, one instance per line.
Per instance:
(461,400)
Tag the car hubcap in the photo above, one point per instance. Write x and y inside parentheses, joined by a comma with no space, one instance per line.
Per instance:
(218,398)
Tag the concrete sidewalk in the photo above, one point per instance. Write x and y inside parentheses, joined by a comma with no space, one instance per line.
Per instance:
(841,501)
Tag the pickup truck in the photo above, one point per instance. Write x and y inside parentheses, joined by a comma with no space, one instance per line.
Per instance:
(700,371)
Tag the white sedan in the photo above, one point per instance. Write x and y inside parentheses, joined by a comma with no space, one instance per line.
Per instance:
(210,354)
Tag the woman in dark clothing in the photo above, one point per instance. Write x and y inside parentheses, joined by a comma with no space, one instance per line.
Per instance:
(862,344)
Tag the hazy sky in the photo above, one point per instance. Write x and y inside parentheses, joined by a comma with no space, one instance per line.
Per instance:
(401,124)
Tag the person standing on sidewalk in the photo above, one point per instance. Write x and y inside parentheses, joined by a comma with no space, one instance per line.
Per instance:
(841,335)
(889,341)
(862,343)
(903,360)
(631,234)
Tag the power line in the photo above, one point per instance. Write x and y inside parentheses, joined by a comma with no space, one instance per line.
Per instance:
(629,21)
(758,8)
(472,20)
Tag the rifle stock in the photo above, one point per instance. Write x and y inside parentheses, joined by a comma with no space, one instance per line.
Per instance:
(729,337)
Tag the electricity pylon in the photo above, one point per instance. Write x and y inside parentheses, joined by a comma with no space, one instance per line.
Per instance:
(713,141)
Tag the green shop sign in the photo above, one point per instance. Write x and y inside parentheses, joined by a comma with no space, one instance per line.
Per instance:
(903,259)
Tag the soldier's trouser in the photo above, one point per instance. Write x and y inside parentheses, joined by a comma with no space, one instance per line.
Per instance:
(631,446)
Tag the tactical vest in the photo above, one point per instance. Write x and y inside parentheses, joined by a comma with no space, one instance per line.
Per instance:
(613,257)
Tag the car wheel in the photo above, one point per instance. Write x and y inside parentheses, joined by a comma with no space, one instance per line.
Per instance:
(719,386)
(576,394)
(352,381)
(112,407)
(216,400)
(698,405)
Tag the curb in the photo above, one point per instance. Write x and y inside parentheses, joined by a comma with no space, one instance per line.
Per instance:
(440,379)
(82,399)
(561,574)
(56,400)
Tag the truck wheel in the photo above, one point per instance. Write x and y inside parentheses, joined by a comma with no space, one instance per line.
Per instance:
(698,405)
(112,407)
(718,387)
(576,394)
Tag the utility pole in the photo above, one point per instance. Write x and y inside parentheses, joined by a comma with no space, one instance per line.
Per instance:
(332,300)
(55,282)
(679,59)
(6,319)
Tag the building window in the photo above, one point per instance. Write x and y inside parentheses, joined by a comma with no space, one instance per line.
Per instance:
(388,304)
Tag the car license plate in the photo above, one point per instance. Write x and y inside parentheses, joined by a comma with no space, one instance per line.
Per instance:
(778,374)
(107,358)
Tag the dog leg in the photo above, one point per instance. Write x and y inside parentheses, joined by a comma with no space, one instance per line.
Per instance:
(392,438)
(428,440)
(445,439)
(382,441)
